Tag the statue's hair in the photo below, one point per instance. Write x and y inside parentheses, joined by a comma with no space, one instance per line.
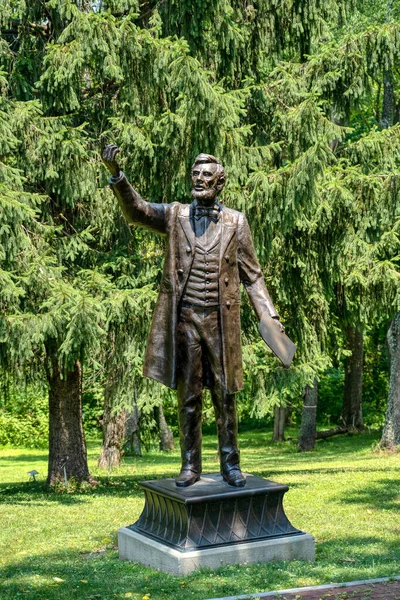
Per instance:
(201,159)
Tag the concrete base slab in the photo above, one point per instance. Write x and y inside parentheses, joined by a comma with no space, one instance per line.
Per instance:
(136,547)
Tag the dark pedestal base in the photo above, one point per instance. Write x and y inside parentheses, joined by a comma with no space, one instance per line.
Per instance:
(212,523)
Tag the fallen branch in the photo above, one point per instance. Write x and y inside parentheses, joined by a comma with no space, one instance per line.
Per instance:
(322,435)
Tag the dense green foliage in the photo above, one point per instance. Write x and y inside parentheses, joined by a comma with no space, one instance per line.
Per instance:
(24,415)
(344,494)
(24,418)
(300,102)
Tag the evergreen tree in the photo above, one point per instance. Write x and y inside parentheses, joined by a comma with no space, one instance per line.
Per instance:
(91,69)
(289,97)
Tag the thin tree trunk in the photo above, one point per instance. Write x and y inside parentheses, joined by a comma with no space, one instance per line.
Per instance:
(391,431)
(67,446)
(166,437)
(308,428)
(352,400)
(132,433)
(113,432)
(279,423)
(389,103)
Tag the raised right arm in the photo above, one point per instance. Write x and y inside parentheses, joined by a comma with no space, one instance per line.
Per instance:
(136,210)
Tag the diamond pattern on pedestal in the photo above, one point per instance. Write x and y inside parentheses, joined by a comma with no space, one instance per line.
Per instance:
(211,513)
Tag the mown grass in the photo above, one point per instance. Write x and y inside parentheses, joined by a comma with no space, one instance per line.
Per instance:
(64,545)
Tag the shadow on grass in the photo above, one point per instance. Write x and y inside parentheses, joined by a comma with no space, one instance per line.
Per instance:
(361,550)
(70,574)
(40,493)
(266,472)
(24,458)
(61,575)
(383,494)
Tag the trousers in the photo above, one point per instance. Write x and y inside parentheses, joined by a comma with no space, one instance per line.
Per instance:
(199,364)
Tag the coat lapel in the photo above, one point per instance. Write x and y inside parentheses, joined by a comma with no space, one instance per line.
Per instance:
(184,220)
(228,230)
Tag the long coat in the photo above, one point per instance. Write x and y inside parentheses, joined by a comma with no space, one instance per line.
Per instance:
(237,264)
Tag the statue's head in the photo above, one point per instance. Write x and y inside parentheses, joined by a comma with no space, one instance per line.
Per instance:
(208,178)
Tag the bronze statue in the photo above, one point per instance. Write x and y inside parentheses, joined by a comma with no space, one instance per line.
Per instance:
(194,340)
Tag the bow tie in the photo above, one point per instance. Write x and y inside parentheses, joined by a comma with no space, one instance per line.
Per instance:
(212,212)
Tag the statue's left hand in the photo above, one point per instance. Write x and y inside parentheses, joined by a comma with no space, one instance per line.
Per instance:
(109,152)
(280,325)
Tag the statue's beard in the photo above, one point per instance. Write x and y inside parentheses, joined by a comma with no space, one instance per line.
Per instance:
(206,196)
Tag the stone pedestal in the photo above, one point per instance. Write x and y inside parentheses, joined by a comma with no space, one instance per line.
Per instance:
(210,524)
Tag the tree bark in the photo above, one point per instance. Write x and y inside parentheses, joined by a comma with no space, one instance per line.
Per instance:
(352,400)
(279,423)
(113,432)
(389,103)
(391,431)
(67,446)
(166,437)
(308,428)
(132,433)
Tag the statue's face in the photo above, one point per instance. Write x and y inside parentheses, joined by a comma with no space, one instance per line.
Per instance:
(206,183)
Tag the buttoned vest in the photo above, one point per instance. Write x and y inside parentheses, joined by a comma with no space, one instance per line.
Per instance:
(202,283)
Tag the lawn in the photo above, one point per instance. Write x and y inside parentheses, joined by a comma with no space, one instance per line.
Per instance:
(63,545)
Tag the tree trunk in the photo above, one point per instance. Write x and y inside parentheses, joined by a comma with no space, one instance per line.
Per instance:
(391,431)
(67,446)
(279,423)
(166,437)
(113,432)
(132,433)
(352,399)
(308,428)
(389,103)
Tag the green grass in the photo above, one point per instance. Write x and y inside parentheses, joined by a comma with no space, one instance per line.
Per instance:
(64,545)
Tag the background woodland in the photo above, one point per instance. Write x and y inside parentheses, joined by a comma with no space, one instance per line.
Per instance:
(300,100)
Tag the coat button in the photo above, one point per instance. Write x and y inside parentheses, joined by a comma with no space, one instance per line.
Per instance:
(226,280)
(228,303)
(188,249)
(226,257)
(180,271)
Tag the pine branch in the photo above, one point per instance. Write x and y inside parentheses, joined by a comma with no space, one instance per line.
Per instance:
(18,26)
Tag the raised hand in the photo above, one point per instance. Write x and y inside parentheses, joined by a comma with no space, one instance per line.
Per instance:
(109,152)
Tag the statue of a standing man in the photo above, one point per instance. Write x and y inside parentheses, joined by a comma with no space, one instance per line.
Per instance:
(194,339)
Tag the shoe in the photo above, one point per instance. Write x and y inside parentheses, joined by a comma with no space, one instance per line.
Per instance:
(186,477)
(234,477)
